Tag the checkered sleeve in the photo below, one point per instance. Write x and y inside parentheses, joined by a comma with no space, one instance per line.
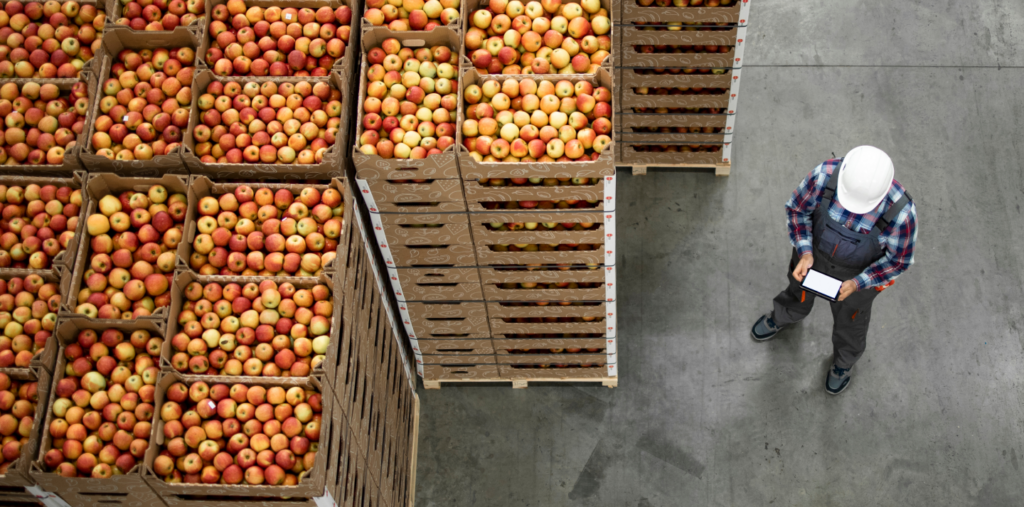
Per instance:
(899,242)
(801,206)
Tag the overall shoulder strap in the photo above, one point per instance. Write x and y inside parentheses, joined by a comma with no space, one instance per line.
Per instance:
(830,187)
(894,211)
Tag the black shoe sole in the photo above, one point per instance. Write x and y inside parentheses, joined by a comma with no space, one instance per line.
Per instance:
(841,388)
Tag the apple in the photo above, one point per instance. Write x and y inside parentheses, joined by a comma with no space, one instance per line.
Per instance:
(405,15)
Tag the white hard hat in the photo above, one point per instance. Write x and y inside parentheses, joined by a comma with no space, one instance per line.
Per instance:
(864,179)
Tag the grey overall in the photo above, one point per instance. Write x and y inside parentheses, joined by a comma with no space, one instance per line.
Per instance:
(843,254)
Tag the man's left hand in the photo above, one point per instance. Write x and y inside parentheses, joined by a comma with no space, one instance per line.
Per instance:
(848,288)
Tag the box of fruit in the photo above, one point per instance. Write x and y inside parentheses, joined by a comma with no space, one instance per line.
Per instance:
(436,284)
(133,231)
(713,128)
(571,345)
(552,356)
(254,128)
(29,304)
(159,18)
(74,30)
(537,227)
(397,16)
(409,100)
(422,229)
(536,189)
(398,191)
(426,320)
(45,124)
(526,326)
(669,154)
(100,413)
(272,457)
(429,255)
(239,229)
(683,55)
(538,37)
(456,347)
(703,12)
(303,38)
(518,284)
(477,372)
(561,127)
(23,396)
(47,221)
(678,78)
(153,76)
(539,370)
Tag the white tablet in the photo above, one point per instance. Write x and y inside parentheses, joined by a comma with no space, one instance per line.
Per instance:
(822,284)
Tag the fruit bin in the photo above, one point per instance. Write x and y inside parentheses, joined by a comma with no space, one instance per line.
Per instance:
(422,228)
(34,337)
(562,199)
(373,19)
(603,312)
(586,345)
(464,372)
(96,187)
(195,28)
(671,154)
(64,259)
(330,165)
(633,10)
(285,363)
(603,166)
(374,167)
(508,326)
(541,227)
(428,320)
(537,357)
(653,127)
(485,191)
(66,160)
(202,187)
(444,359)
(436,284)
(124,489)
(462,347)
(595,284)
(602,52)
(159,165)
(670,78)
(400,191)
(320,481)
(16,476)
(345,65)
(567,372)
(430,255)
(59,74)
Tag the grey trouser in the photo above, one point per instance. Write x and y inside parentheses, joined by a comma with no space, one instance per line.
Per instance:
(851,317)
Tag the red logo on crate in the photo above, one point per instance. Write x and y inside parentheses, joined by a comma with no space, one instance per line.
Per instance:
(609,252)
(407,322)
(389,262)
(609,217)
(609,284)
(418,361)
(609,178)
(373,210)
(735,77)
(734,95)
(609,235)
(608,268)
(731,111)
(378,228)
(394,278)
(398,293)
(739,40)
(384,245)
(737,60)
(401,308)
(611,341)
(610,300)
(366,191)
(728,128)
(725,160)
(611,366)
(610,328)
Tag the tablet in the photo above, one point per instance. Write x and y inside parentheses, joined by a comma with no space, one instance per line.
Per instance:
(822,284)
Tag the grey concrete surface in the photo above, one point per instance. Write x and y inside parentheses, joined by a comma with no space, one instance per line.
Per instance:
(703,416)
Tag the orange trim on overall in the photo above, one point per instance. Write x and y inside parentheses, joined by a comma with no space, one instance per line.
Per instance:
(855,315)
(803,296)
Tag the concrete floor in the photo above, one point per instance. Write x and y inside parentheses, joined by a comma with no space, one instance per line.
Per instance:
(703,415)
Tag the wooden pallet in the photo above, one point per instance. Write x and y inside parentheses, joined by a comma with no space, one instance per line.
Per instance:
(720,169)
(608,382)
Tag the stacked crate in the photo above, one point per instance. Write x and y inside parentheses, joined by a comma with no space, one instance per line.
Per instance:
(678,72)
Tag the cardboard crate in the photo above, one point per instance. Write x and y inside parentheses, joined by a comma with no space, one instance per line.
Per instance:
(631,34)
(477,192)
(434,207)
(461,372)
(434,165)
(195,29)
(428,320)
(385,32)
(632,99)
(317,483)
(127,490)
(322,371)
(387,191)
(605,202)
(436,284)
(507,326)
(101,7)
(637,158)
(631,10)
(72,165)
(97,186)
(549,343)
(403,256)
(630,128)
(445,359)
(201,186)
(488,256)
(492,280)
(332,165)
(114,41)
(471,169)
(602,312)
(483,235)
(504,357)
(541,372)
(76,181)
(422,228)
(17,475)
(18,496)
(461,347)
(718,78)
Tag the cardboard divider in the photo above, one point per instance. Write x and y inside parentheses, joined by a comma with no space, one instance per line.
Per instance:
(432,320)
(320,480)
(194,29)
(483,235)
(673,137)
(435,165)
(630,10)
(72,162)
(546,371)
(519,274)
(726,122)
(473,346)
(124,490)
(323,371)
(98,185)
(17,475)
(436,284)
(332,165)
(471,169)
(114,41)
(202,186)
(76,180)
(461,372)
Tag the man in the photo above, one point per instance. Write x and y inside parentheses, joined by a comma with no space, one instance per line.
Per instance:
(851,220)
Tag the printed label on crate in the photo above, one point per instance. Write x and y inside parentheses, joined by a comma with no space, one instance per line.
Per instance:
(47,499)
(609,193)
(611,316)
(738,53)
(609,347)
(745,13)
(609,239)
(613,369)
(325,501)
(395,284)
(364,190)
(609,284)
(727,153)
(403,310)
(419,368)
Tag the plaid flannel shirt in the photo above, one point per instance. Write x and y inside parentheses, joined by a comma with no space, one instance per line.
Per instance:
(897,241)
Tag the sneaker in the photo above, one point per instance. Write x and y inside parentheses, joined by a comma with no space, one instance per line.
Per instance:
(837,380)
(765,329)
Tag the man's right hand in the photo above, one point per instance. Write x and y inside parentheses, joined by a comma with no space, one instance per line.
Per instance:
(801,267)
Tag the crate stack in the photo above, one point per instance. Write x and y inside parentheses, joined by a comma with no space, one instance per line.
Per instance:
(678,72)
(503,271)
